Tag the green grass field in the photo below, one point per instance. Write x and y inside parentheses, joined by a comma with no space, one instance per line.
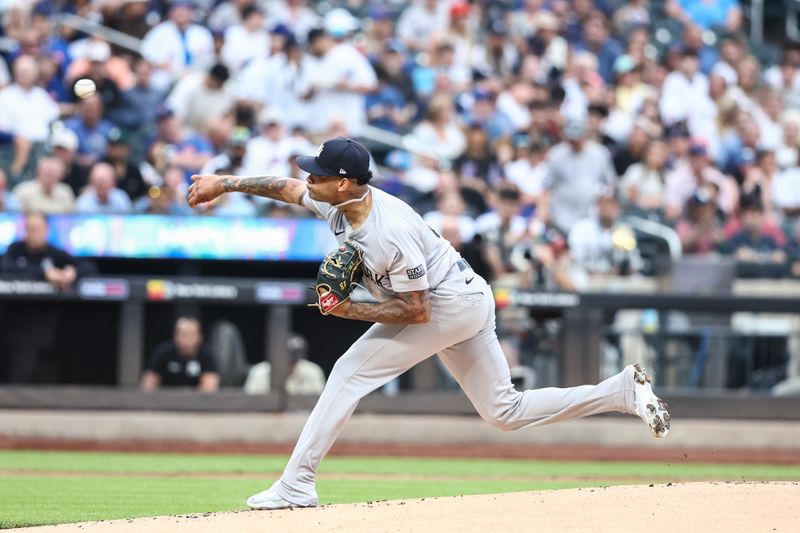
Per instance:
(56,487)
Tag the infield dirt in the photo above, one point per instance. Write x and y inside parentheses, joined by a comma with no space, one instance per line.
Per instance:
(686,507)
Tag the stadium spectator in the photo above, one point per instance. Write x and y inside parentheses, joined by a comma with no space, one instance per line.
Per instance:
(379,29)
(201,98)
(601,243)
(699,229)
(161,200)
(786,194)
(168,196)
(279,82)
(28,111)
(46,194)
(175,147)
(504,226)
(577,169)
(528,167)
(233,157)
(440,132)
(8,202)
(228,14)
(482,258)
(338,84)
(130,16)
(102,195)
(92,130)
(177,45)
(305,377)
(450,206)
(757,253)
(598,40)
(485,116)
(269,152)
(246,41)
(128,176)
(632,150)
(707,14)
(387,107)
(31,328)
(683,89)
(642,185)
(183,361)
(697,173)
(478,166)
(295,15)
(97,55)
(141,101)
(421,22)
(64,146)
(549,45)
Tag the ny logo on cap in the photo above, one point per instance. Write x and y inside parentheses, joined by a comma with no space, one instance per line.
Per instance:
(342,171)
(319,150)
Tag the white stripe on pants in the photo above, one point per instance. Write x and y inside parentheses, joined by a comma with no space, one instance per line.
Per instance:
(461,331)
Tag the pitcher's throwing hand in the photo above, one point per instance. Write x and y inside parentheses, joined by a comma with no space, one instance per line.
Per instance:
(204,188)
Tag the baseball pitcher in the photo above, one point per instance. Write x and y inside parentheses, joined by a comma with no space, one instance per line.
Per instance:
(430,302)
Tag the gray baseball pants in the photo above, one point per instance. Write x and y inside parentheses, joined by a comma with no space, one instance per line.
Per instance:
(462,332)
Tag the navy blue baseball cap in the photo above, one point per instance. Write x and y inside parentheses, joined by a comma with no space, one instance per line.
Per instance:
(339,156)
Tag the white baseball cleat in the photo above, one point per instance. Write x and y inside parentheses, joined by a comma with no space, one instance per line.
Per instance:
(649,407)
(270,500)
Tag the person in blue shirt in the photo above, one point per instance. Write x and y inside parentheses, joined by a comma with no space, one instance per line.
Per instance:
(706,13)
(174,147)
(597,40)
(92,131)
(758,253)
(386,106)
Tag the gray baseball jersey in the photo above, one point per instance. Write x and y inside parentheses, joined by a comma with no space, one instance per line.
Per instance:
(403,254)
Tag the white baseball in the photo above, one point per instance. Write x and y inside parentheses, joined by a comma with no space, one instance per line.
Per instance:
(84,88)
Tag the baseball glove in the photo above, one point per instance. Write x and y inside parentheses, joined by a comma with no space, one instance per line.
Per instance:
(337,275)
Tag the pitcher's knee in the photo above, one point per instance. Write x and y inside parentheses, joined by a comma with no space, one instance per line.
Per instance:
(503,417)
(500,423)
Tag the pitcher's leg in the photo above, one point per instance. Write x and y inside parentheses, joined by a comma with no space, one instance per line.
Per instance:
(480,367)
(380,355)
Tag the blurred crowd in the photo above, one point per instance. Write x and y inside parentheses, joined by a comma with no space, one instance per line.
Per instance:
(533,130)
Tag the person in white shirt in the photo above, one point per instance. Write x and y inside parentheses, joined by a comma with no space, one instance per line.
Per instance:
(200,98)
(601,244)
(227,14)
(176,45)
(528,169)
(246,42)
(682,89)
(339,82)
(102,195)
(440,133)
(295,15)
(279,82)
(27,112)
(768,114)
(422,21)
(269,152)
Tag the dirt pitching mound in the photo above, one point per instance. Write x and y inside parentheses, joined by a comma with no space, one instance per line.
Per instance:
(684,507)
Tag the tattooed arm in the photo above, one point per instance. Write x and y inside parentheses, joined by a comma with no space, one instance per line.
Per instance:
(205,188)
(405,308)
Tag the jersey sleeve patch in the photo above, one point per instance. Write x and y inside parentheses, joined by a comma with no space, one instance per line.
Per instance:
(416,272)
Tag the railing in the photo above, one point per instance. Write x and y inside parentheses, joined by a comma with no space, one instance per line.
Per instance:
(659,231)
(98,30)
